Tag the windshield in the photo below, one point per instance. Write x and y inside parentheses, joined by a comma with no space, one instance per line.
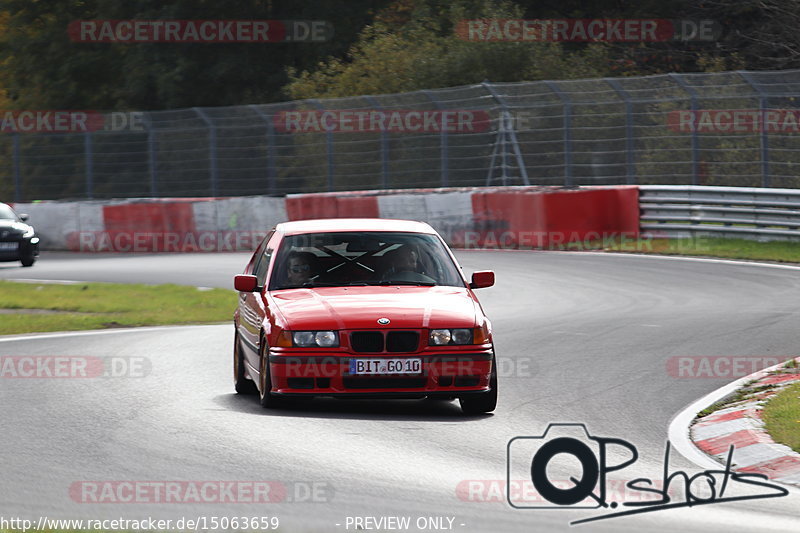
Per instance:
(6,213)
(364,258)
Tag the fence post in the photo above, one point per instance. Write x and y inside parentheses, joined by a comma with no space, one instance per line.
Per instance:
(15,165)
(695,140)
(152,161)
(88,156)
(569,180)
(212,150)
(384,145)
(763,102)
(445,149)
(329,143)
(630,161)
(507,127)
(272,175)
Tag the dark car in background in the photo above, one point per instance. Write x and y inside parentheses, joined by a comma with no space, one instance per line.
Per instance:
(18,240)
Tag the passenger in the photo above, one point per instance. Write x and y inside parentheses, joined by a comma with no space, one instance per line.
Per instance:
(403,259)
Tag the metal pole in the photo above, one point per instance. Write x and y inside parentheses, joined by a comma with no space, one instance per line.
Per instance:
(504,116)
(384,145)
(569,180)
(272,175)
(329,141)
(695,140)
(630,162)
(89,164)
(763,104)
(152,162)
(16,165)
(212,150)
(445,157)
(507,127)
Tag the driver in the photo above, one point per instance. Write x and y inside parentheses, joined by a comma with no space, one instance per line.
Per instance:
(300,267)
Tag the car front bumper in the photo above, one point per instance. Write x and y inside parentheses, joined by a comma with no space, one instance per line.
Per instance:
(25,248)
(443,374)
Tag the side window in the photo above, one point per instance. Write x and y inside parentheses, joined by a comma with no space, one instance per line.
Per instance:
(262,266)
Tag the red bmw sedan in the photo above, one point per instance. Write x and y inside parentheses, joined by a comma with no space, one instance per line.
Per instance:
(362,308)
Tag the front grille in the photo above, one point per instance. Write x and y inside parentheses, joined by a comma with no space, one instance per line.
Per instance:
(395,341)
(366,341)
(385,383)
(402,341)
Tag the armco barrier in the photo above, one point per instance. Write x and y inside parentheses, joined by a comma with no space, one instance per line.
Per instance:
(679,211)
(508,217)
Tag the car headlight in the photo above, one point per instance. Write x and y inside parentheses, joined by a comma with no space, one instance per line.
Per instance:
(326,339)
(309,339)
(441,337)
(28,233)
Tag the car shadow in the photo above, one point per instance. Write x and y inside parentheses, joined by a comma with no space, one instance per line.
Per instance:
(418,410)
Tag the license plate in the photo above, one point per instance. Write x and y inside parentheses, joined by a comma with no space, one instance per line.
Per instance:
(385,366)
(8,245)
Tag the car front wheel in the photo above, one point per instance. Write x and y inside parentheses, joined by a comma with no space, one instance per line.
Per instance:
(240,381)
(265,380)
(484,402)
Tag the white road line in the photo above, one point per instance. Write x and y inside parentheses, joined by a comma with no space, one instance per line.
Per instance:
(648,256)
(13,338)
(47,281)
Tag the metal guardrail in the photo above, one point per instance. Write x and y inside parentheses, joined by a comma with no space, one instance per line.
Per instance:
(678,211)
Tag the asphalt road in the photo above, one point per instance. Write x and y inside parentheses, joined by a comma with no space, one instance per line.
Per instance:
(581,338)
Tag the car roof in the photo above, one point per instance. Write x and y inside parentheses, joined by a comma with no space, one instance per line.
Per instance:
(328,225)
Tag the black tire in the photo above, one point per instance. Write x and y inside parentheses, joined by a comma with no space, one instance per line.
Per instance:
(266,399)
(484,402)
(28,261)
(240,381)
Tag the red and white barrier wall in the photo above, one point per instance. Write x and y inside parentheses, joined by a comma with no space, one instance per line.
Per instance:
(507,217)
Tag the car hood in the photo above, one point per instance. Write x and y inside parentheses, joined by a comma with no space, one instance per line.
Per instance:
(407,307)
(13,227)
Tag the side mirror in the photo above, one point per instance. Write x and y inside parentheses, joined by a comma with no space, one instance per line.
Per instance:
(482,279)
(245,283)
(23,217)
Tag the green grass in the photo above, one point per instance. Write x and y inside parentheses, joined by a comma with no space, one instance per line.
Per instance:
(108,305)
(782,417)
(745,393)
(780,251)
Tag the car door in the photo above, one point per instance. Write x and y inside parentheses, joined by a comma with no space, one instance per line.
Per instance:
(254,309)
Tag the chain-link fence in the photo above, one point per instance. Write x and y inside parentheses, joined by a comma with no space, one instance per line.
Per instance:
(731,128)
